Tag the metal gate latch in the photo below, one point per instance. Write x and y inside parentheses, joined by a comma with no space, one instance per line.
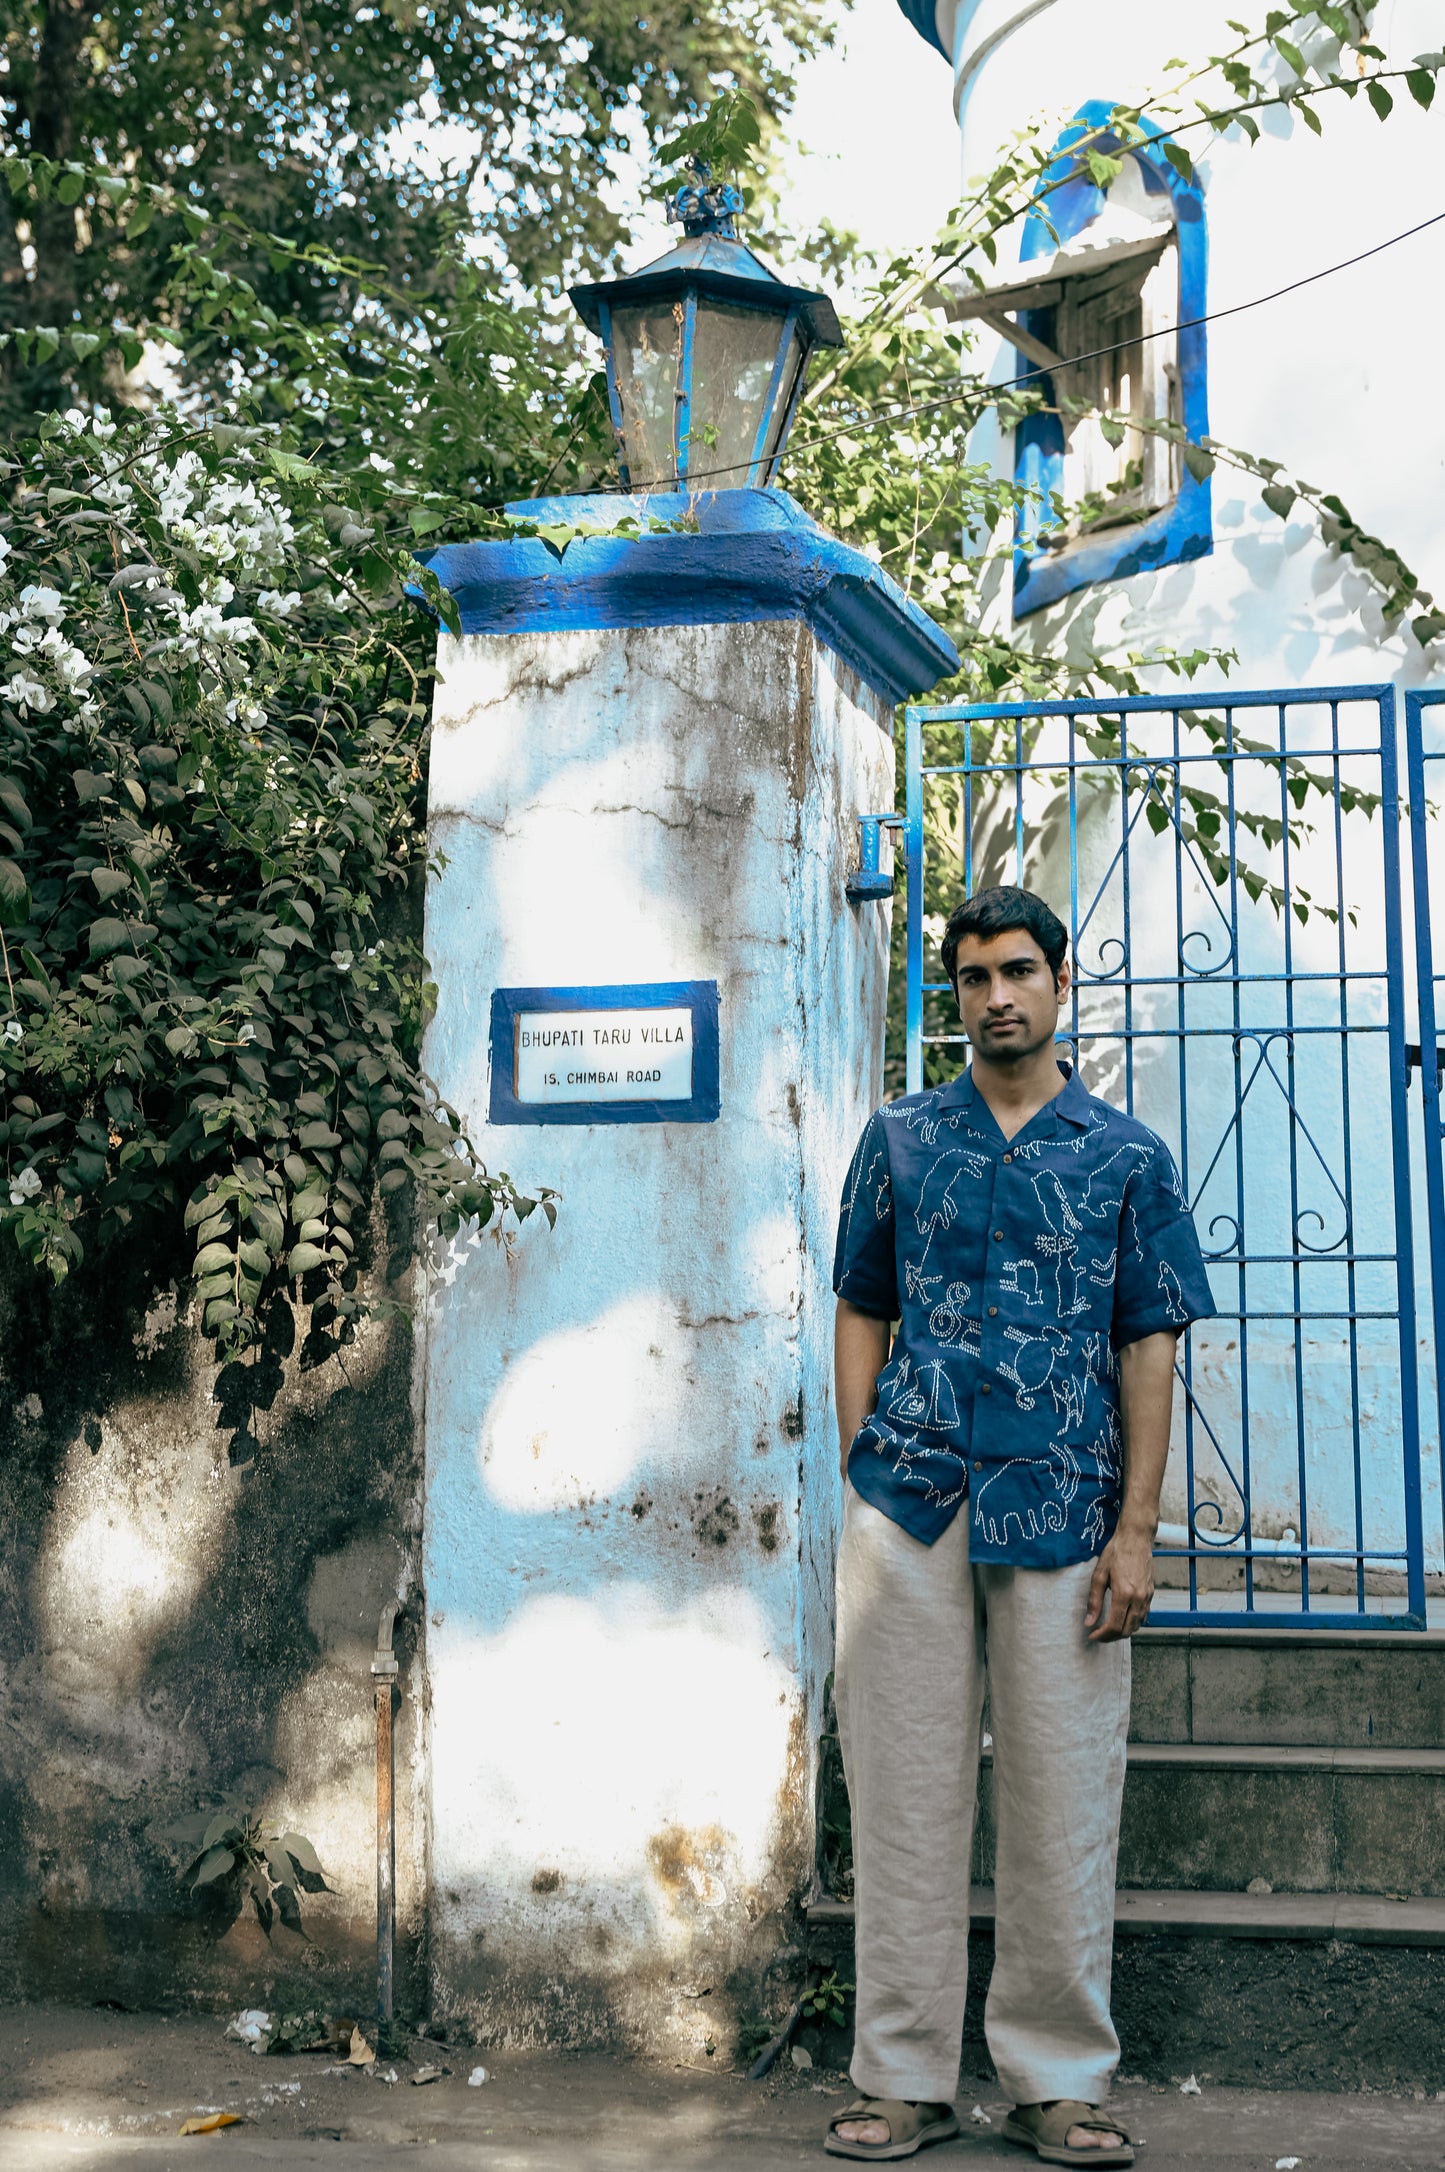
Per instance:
(868,884)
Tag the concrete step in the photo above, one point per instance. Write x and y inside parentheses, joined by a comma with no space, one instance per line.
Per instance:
(1361,1919)
(1301,1688)
(1211,1817)
(1282,1990)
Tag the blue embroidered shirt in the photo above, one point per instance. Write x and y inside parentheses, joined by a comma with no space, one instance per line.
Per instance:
(1016,1270)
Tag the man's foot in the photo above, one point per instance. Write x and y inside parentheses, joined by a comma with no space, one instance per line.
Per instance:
(1087,2137)
(873,2133)
(1067,2131)
(889,2127)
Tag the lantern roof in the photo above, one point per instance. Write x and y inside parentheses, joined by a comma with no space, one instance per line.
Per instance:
(725,269)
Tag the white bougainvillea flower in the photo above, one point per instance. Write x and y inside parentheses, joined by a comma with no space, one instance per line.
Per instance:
(272,600)
(27,1184)
(28,692)
(247,1033)
(14,1031)
(343,960)
(38,602)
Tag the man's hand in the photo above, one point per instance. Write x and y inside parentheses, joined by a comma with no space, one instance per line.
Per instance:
(1125,1572)
(1125,1569)
(860,1352)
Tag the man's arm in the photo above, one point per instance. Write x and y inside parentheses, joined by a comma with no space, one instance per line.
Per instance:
(1125,1569)
(860,1352)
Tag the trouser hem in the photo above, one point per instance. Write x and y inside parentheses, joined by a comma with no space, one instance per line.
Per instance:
(904,2082)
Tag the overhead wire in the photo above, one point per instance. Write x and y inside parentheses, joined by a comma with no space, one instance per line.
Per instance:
(984,391)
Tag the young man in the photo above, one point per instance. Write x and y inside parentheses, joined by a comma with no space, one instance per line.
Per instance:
(1003,1467)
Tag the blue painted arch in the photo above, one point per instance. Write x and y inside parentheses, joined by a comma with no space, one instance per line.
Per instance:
(1184,528)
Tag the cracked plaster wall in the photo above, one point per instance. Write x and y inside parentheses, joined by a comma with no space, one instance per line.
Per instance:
(631,1456)
(178,1629)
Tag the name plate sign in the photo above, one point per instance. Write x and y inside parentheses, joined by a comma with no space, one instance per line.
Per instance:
(603,1056)
(614,1055)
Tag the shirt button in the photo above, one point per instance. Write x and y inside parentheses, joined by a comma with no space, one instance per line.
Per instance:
(998,1236)
(978,1466)
(987,1388)
(993,1312)
(1008,1157)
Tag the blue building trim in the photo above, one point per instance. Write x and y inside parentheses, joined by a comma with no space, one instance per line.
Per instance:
(700,996)
(923,15)
(723,557)
(1183,529)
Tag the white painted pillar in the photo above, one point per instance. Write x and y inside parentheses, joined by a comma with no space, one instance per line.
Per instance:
(630,1448)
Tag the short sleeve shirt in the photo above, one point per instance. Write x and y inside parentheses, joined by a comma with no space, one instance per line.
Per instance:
(1016,1269)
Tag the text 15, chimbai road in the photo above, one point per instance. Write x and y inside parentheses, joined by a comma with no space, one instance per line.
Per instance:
(603,1055)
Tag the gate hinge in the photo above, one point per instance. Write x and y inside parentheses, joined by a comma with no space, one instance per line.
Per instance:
(868,883)
(1413,1062)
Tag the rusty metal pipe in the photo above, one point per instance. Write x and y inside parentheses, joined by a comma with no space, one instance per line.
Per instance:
(384,1669)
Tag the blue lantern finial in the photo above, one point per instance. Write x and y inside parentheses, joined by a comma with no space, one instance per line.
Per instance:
(703,206)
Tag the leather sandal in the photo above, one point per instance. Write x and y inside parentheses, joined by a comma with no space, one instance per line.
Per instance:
(911,2127)
(1045,2130)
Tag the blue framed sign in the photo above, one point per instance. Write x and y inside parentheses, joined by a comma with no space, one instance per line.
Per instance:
(633,1055)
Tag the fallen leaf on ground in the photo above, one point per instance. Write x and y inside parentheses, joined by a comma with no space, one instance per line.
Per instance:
(800,2056)
(212,2125)
(980,2117)
(427,2074)
(361,2052)
(1286,2164)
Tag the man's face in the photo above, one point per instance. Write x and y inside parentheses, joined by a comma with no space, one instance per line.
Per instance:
(1007,997)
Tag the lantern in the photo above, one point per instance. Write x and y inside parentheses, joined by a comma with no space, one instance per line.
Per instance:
(706,353)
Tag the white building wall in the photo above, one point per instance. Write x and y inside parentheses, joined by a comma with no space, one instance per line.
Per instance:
(631,1457)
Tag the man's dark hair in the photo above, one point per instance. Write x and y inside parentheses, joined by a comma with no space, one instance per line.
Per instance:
(999,912)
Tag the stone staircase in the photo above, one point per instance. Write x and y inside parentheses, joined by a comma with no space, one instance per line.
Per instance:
(1309,1765)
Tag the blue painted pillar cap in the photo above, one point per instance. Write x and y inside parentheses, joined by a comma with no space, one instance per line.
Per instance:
(743,556)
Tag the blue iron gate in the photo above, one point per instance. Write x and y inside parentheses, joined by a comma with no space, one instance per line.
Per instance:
(1230,869)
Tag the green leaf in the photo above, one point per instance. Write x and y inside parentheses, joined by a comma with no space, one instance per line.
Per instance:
(318,1134)
(269,1224)
(109,882)
(1199,462)
(1309,116)
(85,344)
(1279,498)
(1421,85)
(14,896)
(302,1854)
(139,220)
(211,1258)
(69,186)
(1379,98)
(1178,158)
(302,1258)
(213,1864)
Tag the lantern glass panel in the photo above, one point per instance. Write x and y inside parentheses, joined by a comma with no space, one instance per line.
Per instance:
(647,351)
(793,361)
(733,352)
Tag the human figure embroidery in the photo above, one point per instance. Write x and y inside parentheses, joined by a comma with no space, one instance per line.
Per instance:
(1003,1454)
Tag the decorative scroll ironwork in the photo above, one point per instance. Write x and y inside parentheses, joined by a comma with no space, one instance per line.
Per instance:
(1230,872)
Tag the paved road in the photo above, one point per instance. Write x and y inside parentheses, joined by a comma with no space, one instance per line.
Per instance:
(83,2090)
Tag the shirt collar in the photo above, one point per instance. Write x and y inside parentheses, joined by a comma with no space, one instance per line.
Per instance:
(1072,1105)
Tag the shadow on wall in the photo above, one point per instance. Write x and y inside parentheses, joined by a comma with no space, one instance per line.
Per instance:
(179,1629)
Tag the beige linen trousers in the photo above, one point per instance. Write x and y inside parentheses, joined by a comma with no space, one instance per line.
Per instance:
(921,1631)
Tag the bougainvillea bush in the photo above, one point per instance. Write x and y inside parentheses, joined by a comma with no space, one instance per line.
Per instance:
(211,808)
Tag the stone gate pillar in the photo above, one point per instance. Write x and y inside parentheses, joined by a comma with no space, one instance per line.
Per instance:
(648,760)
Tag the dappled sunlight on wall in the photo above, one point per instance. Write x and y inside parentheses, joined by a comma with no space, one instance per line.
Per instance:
(581,1411)
(611,1750)
(123,1563)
